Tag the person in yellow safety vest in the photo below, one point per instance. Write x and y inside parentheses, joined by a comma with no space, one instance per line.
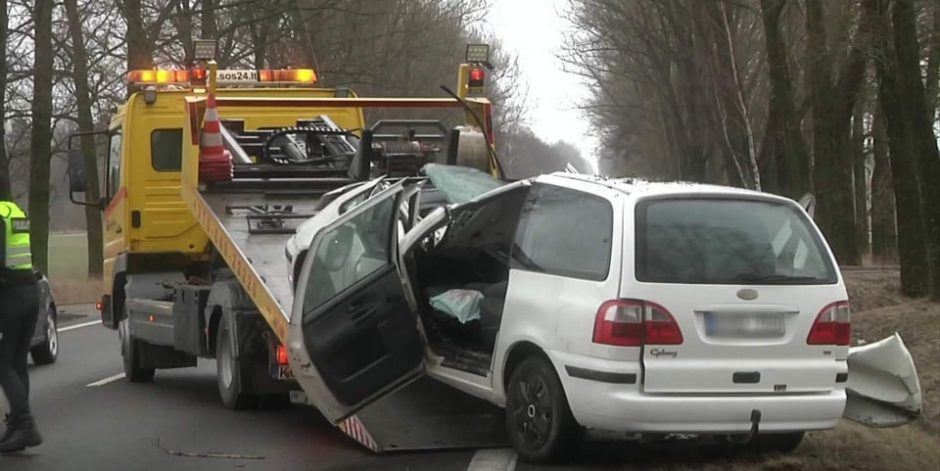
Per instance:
(19,311)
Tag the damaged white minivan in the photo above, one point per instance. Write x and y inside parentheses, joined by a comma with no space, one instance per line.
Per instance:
(578,303)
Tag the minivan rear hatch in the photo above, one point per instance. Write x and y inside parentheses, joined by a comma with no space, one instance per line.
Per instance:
(745,279)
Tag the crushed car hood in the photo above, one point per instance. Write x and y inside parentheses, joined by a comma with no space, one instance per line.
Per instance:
(883,389)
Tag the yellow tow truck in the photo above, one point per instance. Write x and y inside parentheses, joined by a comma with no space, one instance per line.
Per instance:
(194,250)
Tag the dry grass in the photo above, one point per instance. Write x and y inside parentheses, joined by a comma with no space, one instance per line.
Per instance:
(75,291)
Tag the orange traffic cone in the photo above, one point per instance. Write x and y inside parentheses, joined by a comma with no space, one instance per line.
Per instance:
(215,163)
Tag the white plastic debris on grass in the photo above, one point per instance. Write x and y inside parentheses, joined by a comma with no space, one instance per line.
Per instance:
(883,389)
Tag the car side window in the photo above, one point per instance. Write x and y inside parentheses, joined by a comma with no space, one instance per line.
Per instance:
(349,253)
(564,232)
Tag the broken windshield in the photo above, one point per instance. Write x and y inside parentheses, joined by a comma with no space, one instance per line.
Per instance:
(459,185)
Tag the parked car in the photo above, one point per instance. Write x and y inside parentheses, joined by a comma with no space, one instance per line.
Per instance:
(44,348)
(579,302)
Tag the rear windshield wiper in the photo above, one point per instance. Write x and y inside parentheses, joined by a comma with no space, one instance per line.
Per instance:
(774,278)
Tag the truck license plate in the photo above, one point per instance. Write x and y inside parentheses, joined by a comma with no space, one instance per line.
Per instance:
(282,373)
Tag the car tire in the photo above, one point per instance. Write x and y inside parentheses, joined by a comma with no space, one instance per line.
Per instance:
(47,351)
(539,422)
(130,350)
(784,443)
(228,371)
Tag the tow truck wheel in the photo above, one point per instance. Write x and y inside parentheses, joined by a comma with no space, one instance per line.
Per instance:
(130,350)
(538,420)
(228,371)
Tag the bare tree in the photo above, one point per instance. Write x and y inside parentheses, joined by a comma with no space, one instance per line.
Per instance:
(6,191)
(41,135)
(783,148)
(86,124)
(912,243)
(923,141)
(833,100)
(884,232)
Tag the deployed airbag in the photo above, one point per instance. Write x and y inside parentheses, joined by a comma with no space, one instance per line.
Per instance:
(460,304)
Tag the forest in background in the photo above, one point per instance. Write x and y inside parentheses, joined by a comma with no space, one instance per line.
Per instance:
(837,98)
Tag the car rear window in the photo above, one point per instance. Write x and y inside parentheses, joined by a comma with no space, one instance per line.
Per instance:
(728,241)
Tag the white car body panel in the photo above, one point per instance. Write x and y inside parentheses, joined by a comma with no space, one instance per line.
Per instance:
(883,389)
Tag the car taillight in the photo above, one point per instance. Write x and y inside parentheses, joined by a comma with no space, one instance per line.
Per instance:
(833,326)
(631,323)
(282,355)
(661,327)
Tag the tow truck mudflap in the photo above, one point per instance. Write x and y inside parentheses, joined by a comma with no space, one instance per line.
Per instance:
(425,415)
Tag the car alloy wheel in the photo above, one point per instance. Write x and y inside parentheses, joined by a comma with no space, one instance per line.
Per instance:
(533,411)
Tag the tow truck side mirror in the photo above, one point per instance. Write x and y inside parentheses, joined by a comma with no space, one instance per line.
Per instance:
(77,182)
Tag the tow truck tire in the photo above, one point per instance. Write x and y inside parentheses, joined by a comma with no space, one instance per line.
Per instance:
(130,350)
(785,443)
(228,371)
(538,420)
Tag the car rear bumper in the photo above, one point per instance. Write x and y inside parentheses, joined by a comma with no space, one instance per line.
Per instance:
(623,407)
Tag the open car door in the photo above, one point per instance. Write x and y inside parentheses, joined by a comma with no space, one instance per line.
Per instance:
(353,337)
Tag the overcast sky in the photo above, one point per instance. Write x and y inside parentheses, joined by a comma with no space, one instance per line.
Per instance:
(534,30)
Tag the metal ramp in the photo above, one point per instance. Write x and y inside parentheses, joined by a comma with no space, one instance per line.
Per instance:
(427,415)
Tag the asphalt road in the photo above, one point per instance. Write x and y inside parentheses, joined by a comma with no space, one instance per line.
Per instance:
(94,420)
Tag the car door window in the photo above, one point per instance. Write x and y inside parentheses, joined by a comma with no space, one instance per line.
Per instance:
(564,232)
(349,253)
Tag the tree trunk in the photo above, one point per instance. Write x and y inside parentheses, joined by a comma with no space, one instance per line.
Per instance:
(912,243)
(860,177)
(783,130)
(884,232)
(209,28)
(41,136)
(833,104)
(86,123)
(923,140)
(6,191)
(138,45)
(932,84)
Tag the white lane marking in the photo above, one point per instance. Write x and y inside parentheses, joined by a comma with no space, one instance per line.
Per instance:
(78,326)
(102,382)
(493,460)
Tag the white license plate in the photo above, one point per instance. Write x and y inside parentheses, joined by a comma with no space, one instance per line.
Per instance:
(744,325)
(236,76)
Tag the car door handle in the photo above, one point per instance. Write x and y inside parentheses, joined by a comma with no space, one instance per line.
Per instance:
(360,314)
